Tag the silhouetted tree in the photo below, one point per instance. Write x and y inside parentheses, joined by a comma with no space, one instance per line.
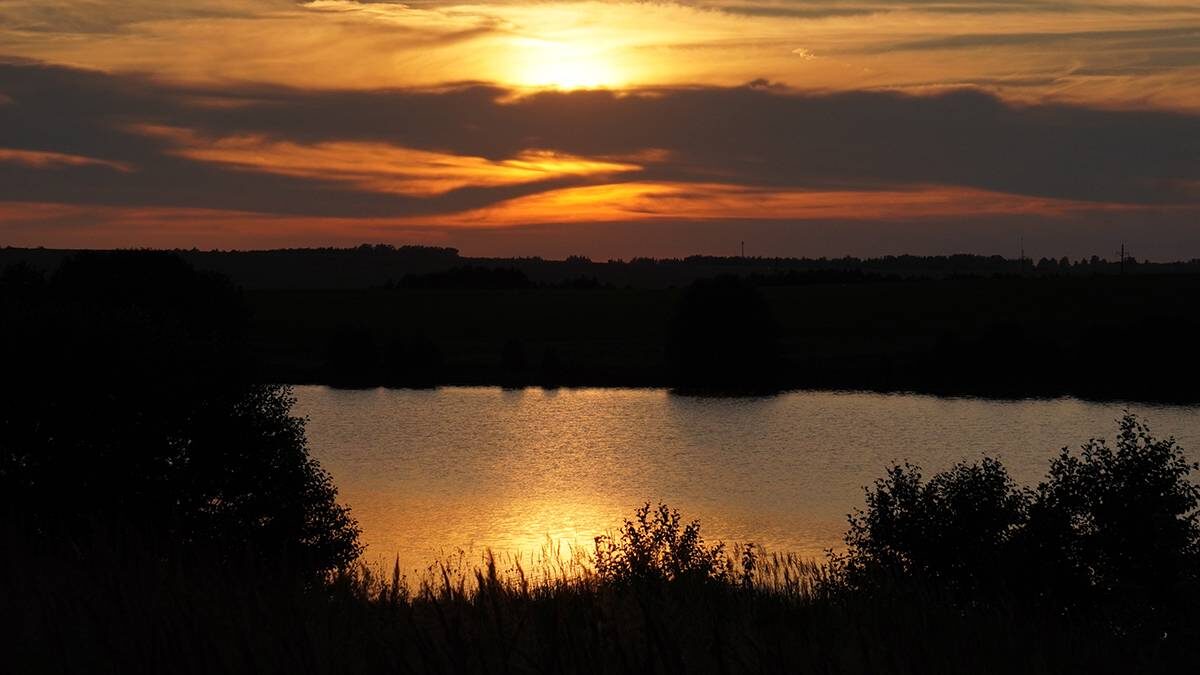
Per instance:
(953,530)
(512,358)
(1118,525)
(724,336)
(352,358)
(128,398)
(552,367)
(413,361)
(655,547)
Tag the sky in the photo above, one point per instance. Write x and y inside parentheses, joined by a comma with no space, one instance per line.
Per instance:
(608,129)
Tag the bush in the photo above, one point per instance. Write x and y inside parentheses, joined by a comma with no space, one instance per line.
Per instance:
(1118,525)
(955,530)
(1110,528)
(657,547)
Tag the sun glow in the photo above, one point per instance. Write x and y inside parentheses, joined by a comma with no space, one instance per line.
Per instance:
(562,65)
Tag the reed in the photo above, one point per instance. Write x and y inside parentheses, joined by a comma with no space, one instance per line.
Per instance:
(108,603)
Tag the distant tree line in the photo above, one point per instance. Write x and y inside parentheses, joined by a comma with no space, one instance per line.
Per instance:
(372,266)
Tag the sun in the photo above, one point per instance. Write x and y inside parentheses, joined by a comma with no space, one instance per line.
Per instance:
(562,65)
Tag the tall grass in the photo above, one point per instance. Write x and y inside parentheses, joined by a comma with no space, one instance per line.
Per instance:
(108,603)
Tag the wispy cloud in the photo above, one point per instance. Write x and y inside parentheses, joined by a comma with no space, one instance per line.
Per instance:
(821,45)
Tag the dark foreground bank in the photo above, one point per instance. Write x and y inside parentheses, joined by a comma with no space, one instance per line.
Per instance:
(99,610)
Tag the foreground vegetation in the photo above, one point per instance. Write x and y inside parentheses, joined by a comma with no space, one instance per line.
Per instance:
(161,513)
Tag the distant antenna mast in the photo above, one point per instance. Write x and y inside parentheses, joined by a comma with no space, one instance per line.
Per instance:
(743,248)
(1123,258)
(1021,246)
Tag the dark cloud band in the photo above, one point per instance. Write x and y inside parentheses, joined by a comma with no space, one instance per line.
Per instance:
(748,136)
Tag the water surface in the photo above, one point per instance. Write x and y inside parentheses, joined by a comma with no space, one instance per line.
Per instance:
(430,473)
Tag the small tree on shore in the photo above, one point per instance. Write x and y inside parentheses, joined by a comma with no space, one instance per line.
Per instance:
(656,546)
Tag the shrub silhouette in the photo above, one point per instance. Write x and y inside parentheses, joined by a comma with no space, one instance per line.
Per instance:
(657,547)
(954,530)
(1112,528)
(1118,525)
(128,399)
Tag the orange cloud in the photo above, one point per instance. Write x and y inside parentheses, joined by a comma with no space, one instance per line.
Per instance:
(701,201)
(380,167)
(36,159)
(1111,52)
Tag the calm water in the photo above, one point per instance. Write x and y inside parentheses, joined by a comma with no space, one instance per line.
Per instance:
(428,473)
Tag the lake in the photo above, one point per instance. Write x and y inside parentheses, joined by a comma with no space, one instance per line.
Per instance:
(431,473)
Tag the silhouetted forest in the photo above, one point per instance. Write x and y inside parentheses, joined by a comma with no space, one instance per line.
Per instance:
(161,513)
(380,265)
(1100,337)
(944,325)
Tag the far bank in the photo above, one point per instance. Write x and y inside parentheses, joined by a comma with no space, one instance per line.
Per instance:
(1103,337)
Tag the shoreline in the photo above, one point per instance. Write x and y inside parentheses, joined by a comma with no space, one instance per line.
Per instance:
(1181,402)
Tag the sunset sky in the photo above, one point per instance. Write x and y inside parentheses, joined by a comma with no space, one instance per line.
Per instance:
(609,129)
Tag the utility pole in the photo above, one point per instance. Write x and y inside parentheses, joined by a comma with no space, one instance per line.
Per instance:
(743,248)
(1122,258)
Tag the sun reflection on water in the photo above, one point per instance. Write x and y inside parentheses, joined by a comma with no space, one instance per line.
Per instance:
(447,474)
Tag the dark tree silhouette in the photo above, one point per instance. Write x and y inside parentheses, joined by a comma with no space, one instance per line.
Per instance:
(553,370)
(656,546)
(513,360)
(128,398)
(1111,532)
(724,337)
(953,530)
(1117,526)
(412,361)
(352,358)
